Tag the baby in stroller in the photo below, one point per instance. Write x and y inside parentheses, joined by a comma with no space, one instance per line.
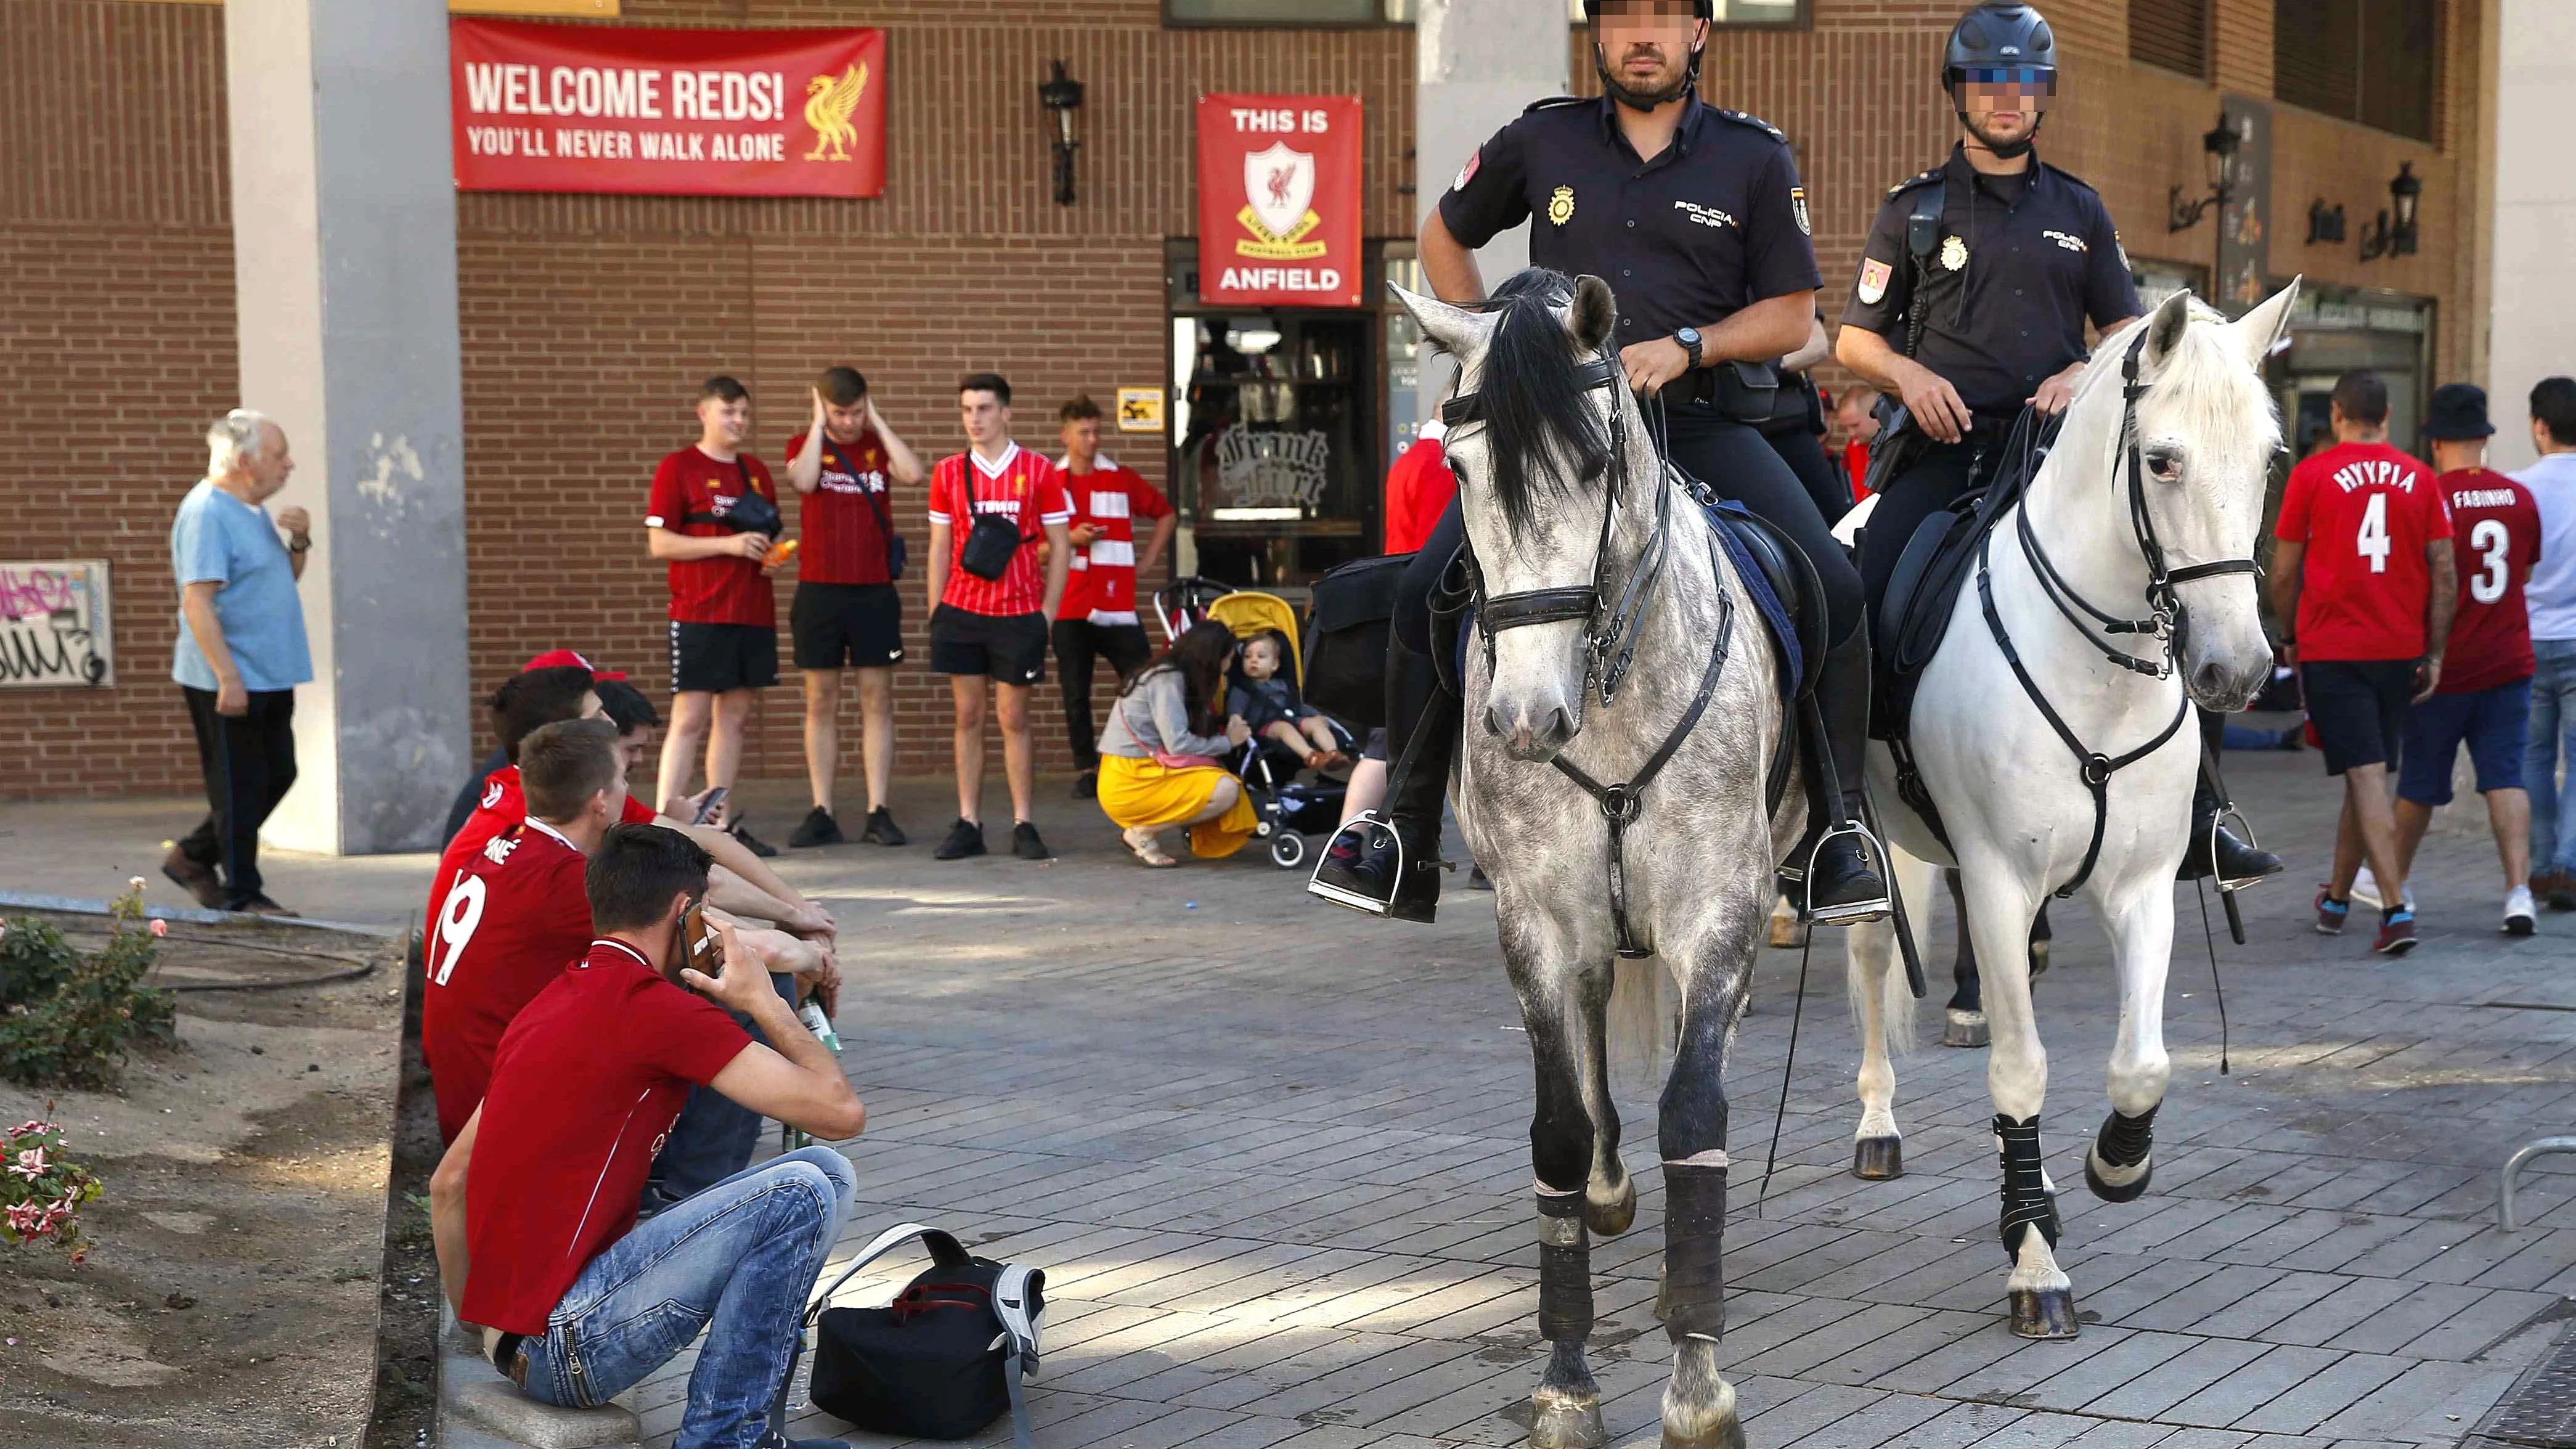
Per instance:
(1269,702)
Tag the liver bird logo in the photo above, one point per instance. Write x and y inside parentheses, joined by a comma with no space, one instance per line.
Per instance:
(830,101)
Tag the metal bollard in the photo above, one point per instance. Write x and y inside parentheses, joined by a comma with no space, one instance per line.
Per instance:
(2538,1147)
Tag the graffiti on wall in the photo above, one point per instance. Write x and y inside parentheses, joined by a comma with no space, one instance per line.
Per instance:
(54,625)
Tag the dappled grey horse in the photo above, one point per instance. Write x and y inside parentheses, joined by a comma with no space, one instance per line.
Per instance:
(1616,793)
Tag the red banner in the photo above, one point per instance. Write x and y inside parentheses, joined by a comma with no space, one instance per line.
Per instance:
(667,112)
(1279,200)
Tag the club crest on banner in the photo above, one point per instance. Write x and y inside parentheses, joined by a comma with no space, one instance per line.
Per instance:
(1280,186)
(830,103)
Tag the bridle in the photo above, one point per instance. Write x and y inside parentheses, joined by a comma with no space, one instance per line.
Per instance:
(2167,621)
(1609,634)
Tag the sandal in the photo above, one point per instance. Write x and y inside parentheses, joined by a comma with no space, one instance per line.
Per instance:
(1140,839)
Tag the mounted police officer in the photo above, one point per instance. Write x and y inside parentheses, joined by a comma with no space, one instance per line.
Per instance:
(1974,290)
(1695,218)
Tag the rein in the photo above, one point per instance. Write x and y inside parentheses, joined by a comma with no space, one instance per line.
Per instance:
(1610,631)
(2167,621)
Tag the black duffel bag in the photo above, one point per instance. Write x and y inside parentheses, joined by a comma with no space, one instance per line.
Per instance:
(1348,637)
(945,1358)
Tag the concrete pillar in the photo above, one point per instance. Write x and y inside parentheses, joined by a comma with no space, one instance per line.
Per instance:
(2535,216)
(344,259)
(1477,64)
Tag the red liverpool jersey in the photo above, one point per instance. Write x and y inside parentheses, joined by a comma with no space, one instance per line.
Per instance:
(842,522)
(2365,512)
(2495,528)
(514,917)
(504,807)
(1023,488)
(691,495)
(1100,581)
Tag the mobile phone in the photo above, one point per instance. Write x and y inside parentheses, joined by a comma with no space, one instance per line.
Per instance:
(704,952)
(709,806)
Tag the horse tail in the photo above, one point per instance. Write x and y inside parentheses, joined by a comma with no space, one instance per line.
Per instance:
(1643,1014)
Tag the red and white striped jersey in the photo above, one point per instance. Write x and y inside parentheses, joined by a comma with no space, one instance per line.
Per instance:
(1021,487)
(1101,583)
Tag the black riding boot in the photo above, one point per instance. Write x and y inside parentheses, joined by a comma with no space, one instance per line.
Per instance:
(1848,884)
(2214,849)
(1361,869)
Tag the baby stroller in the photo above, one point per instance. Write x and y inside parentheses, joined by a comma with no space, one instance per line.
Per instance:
(1289,809)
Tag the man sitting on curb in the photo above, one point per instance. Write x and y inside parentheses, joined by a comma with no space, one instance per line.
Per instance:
(533,1209)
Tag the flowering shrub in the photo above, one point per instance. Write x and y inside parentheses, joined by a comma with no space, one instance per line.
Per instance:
(68,1018)
(41,1190)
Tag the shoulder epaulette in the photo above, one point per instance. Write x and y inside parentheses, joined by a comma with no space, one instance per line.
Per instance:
(1746,118)
(1920,178)
(1551,103)
(2067,175)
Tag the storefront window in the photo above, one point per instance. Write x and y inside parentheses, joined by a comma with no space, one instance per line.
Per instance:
(2334,330)
(2372,61)
(1401,12)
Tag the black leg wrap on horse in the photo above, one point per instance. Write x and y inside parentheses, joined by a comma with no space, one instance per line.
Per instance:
(1564,1269)
(1694,1251)
(2025,1190)
(2124,1140)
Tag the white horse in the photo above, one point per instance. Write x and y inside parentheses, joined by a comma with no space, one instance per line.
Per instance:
(1620,713)
(2146,513)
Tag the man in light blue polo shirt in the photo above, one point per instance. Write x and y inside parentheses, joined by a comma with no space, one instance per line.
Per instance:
(2551,595)
(241,652)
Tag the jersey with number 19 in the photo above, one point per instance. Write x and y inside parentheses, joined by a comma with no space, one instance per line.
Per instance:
(514,915)
(2365,511)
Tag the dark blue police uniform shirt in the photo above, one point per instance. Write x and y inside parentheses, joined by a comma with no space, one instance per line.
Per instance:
(2021,263)
(1712,225)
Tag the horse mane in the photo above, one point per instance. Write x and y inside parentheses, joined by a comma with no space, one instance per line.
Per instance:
(2202,380)
(1534,408)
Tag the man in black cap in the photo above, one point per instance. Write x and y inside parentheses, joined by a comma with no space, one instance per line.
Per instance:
(1974,290)
(2484,698)
(1695,217)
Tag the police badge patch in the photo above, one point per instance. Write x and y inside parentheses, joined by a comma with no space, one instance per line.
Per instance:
(1467,172)
(1873,281)
(1560,205)
(1954,253)
(1798,209)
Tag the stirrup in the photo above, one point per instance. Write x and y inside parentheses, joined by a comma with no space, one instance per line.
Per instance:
(1342,896)
(2227,812)
(1850,913)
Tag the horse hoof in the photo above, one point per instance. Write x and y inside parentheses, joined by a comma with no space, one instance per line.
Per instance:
(2110,1191)
(1878,1158)
(1563,1421)
(2038,959)
(1964,1028)
(1727,1435)
(1613,1218)
(2043,1312)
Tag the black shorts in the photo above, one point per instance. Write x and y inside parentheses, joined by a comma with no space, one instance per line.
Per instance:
(857,625)
(713,658)
(2359,709)
(1012,648)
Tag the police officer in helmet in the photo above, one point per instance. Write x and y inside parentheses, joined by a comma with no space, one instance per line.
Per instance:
(1695,218)
(1974,290)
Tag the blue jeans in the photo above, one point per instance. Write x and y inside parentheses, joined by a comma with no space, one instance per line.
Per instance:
(737,1260)
(2553,733)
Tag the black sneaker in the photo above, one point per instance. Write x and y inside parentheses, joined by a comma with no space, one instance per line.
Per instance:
(1086,786)
(751,842)
(817,828)
(881,829)
(965,838)
(1026,845)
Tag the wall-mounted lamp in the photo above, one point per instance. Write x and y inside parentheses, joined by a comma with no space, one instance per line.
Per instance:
(2325,223)
(1062,96)
(2218,151)
(2393,233)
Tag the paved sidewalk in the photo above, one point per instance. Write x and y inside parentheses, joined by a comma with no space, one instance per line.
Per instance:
(1274,1159)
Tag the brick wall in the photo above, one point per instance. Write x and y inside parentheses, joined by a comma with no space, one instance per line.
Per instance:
(589,319)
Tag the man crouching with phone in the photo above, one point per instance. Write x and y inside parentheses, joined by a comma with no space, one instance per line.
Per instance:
(533,1206)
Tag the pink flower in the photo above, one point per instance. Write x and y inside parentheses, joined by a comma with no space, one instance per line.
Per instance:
(33,1129)
(30,1164)
(134,883)
(25,1217)
(160,927)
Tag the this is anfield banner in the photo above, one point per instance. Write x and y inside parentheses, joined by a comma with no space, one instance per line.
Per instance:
(1279,200)
(667,112)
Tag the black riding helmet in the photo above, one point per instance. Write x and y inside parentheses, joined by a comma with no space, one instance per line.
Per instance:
(1700,10)
(1997,38)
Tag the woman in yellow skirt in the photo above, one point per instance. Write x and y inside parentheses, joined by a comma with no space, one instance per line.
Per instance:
(1157,771)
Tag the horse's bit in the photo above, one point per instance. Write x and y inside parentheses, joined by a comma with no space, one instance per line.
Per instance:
(2166,622)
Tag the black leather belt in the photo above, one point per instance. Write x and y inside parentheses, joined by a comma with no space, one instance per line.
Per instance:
(510,1356)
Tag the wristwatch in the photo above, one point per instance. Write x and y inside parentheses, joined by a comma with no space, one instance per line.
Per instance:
(1688,337)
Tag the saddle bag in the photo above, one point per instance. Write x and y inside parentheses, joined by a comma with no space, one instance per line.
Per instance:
(990,544)
(1348,636)
(945,1358)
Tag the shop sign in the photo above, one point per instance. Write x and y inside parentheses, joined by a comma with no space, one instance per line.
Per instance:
(540,107)
(1140,409)
(1279,200)
(54,625)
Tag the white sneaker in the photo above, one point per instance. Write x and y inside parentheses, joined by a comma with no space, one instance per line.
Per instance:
(2520,916)
(2365,889)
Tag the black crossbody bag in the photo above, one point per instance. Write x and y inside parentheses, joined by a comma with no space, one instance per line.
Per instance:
(990,543)
(751,513)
